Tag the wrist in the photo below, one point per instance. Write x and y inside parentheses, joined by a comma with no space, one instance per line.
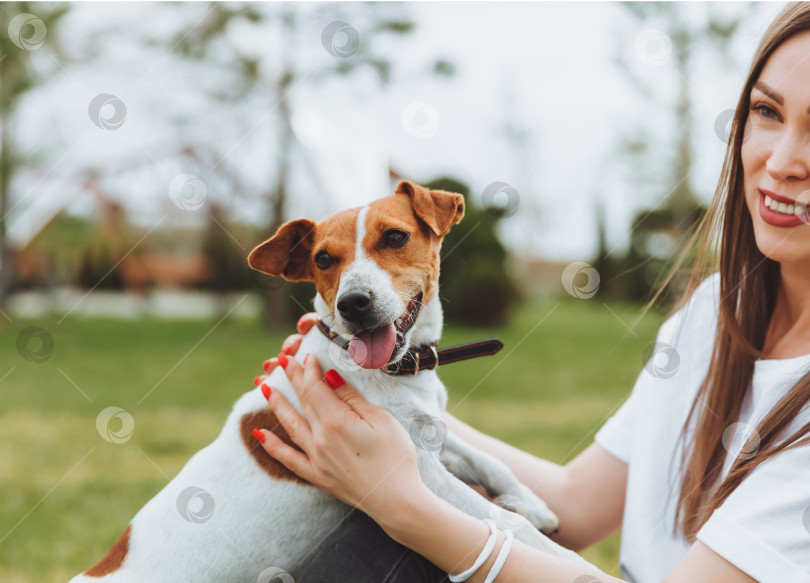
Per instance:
(407,514)
(451,539)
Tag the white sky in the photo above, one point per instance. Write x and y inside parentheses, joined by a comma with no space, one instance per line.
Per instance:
(546,68)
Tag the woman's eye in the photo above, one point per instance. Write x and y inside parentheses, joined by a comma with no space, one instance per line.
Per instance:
(395,238)
(323,260)
(765,111)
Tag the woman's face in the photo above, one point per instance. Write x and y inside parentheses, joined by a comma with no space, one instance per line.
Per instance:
(776,153)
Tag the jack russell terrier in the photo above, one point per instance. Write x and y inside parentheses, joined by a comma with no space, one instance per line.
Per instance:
(235,514)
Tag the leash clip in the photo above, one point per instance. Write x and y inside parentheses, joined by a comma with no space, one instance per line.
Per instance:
(415,363)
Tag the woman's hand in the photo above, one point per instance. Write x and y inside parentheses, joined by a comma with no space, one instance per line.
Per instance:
(353,450)
(290,345)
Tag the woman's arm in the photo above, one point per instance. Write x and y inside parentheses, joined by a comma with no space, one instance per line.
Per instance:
(361,454)
(587,494)
(454,539)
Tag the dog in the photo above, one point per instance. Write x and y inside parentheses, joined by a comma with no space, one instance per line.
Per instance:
(235,514)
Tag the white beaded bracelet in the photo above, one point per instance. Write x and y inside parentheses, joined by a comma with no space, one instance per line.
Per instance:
(502,555)
(482,558)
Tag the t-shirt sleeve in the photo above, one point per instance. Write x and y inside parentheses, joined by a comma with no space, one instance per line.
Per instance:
(617,433)
(763,527)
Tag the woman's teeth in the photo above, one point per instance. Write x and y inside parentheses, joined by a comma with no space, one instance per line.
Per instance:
(785,209)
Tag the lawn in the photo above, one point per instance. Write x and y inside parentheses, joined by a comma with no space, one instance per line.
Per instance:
(68,493)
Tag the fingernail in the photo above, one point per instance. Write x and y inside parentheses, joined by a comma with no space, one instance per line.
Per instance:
(283,360)
(266,391)
(267,364)
(258,435)
(286,350)
(306,356)
(258,380)
(333,379)
(300,321)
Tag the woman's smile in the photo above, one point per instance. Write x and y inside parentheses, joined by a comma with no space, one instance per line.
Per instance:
(781,211)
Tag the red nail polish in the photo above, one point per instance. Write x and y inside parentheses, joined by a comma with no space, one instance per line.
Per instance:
(257,381)
(267,364)
(333,379)
(266,391)
(258,435)
(283,360)
(306,356)
(286,350)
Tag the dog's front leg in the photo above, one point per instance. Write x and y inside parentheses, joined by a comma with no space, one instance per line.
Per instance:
(450,488)
(476,467)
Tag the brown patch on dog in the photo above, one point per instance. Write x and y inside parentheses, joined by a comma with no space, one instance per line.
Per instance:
(288,252)
(337,236)
(439,209)
(114,558)
(414,267)
(264,419)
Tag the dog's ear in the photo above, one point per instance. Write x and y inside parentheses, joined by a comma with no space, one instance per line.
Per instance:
(439,209)
(287,253)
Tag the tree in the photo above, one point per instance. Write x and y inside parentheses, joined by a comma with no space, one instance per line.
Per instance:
(686,34)
(29,28)
(475,288)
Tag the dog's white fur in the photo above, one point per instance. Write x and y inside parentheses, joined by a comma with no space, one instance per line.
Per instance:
(261,525)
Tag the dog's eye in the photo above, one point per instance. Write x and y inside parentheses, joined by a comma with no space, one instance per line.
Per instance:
(395,238)
(323,260)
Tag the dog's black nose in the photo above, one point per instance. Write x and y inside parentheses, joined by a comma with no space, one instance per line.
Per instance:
(354,306)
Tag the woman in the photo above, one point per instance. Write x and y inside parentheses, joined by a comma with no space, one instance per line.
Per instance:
(706,470)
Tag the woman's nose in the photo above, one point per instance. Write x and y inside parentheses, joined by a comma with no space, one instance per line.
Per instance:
(790,158)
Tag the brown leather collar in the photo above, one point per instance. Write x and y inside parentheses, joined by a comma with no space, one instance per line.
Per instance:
(419,358)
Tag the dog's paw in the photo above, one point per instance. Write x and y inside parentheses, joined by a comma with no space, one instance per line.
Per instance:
(542,518)
(527,505)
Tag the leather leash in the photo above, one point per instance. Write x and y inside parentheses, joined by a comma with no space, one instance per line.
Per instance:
(419,358)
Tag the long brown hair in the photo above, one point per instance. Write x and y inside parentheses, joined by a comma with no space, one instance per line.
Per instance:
(748,289)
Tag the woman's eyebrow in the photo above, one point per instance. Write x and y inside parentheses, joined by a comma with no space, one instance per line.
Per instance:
(776,96)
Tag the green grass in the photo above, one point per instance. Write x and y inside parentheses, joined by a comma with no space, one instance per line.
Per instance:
(68,494)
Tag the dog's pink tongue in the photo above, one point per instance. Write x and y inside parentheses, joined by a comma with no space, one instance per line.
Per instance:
(373,348)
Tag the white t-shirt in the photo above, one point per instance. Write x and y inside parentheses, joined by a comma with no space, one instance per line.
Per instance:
(763,528)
